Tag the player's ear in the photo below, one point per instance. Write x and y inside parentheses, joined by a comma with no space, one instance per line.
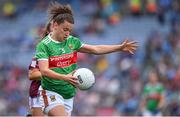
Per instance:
(55,25)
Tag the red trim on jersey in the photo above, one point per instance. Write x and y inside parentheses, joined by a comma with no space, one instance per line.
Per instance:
(62,61)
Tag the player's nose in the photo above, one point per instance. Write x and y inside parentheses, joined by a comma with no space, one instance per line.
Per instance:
(67,33)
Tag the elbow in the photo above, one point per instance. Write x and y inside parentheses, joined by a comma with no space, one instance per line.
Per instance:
(34,75)
(30,77)
(95,51)
(44,72)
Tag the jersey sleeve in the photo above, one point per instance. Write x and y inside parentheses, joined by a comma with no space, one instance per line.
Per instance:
(33,64)
(77,43)
(41,52)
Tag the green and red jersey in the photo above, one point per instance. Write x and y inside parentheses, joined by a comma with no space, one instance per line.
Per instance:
(62,58)
(152,94)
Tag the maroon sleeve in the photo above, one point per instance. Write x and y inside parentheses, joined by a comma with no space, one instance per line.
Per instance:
(33,89)
(33,64)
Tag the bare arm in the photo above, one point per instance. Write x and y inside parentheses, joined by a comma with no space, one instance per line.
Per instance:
(162,101)
(34,74)
(45,71)
(99,49)
(126,46)
(142,104)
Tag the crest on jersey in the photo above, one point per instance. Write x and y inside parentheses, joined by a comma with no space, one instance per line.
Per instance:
(70,46)
(53,98)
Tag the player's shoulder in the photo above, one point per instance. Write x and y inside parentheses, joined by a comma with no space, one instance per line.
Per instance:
(45,41)
(147,86)
(160,85)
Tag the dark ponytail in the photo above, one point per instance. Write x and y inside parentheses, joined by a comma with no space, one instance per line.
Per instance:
(47,29)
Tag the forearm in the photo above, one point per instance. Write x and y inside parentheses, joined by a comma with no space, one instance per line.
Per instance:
(104,49)
(101,49)
(34,74)
(142,104)
(161,102)
(53,75)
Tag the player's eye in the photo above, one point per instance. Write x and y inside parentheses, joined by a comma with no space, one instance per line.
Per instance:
(66,29)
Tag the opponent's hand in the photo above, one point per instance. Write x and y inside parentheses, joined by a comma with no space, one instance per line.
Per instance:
(129,46)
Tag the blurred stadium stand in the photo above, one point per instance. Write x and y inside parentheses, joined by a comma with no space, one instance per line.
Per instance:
(120,77)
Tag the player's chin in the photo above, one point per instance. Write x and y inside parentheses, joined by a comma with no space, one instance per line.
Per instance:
(65,38)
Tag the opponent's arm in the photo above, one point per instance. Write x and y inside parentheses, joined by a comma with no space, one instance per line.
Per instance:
(34,74)
(142,104)
(161,101)
(126,46)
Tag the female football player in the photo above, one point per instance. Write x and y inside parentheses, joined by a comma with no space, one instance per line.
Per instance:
(153,98)
(57,59)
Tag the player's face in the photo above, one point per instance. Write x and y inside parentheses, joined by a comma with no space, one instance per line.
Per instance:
(62,30)
(153,77)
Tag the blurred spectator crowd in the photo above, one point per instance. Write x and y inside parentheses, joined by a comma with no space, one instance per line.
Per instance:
(120,77)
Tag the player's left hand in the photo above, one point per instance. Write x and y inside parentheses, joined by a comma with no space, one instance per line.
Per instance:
(129,46)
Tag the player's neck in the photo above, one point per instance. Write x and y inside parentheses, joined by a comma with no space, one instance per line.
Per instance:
(153,83)
(54,37)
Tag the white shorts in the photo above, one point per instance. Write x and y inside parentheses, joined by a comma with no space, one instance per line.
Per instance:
(34,102)
(50,99)
(147,113)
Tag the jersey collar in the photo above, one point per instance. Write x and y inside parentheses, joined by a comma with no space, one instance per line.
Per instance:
(49,36)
